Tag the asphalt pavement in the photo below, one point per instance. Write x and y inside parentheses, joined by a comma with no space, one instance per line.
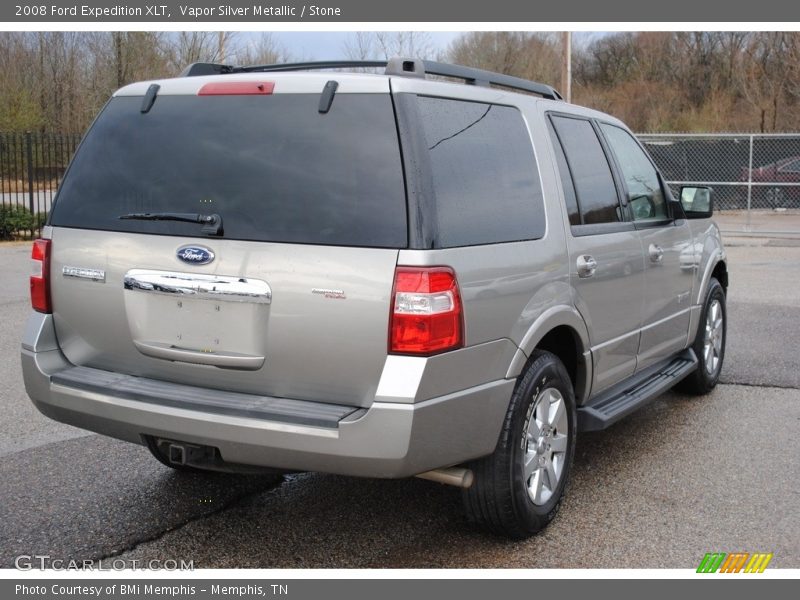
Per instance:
(682,477)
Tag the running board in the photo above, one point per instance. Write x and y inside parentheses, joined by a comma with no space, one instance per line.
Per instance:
(624,398)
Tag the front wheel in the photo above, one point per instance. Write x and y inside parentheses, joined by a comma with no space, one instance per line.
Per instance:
(518,490)
(709,345)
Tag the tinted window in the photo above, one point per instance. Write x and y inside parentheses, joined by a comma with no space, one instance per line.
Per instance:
(641,179)
(791,167)
(484,171)
(273,167)
(570,199)
(591,175)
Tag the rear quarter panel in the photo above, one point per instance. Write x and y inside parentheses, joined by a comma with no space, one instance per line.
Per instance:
(507,287)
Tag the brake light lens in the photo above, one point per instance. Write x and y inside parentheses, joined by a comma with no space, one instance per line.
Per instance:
(40,278)
(427,316)
(237,88)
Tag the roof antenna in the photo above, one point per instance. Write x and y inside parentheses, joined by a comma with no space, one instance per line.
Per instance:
(326,99)
(149,98)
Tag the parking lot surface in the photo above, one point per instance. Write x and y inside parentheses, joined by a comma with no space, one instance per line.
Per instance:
(682,477)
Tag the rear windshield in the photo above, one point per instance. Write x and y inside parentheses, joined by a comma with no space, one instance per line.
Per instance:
(272,167)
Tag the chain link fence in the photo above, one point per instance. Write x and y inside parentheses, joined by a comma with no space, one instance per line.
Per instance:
(755,175)
(31,167)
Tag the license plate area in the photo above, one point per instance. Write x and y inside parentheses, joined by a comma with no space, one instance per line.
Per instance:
(201,313)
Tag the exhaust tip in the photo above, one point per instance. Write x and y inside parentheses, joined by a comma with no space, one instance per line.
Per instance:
(456,476)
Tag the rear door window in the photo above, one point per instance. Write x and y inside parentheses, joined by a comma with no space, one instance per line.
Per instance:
(591,174)
(485,178)
(272,167)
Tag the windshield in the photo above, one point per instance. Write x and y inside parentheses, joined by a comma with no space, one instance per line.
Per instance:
(272,167)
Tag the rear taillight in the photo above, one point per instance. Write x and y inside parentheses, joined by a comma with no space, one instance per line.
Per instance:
(426,311)
(40,278)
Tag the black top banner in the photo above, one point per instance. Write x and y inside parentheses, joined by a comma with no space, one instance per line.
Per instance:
(466,11)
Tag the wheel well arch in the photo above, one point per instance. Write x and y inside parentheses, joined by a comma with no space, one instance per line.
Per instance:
(714,266)
(565,343)
(720,273)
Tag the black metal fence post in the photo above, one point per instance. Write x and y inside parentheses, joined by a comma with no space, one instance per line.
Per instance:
(29,153)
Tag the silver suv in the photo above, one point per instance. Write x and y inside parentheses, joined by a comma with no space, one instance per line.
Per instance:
(379,275)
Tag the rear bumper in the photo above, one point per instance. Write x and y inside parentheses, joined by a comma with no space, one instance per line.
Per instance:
(389,439)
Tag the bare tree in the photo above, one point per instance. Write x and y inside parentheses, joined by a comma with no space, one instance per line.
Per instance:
(264,50)
(20,106)
(652,80)
(360,46)
(61,55)
(764,78)
(523,54)
(187,47)
(365,45)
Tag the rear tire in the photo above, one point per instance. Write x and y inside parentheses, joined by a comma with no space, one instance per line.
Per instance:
(518,490)
(709,344)
(776,198)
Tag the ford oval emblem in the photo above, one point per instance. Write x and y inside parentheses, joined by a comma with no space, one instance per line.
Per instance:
(195,255)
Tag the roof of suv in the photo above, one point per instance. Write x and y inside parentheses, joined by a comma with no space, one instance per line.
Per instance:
(291,83)
(310,77)
(198,74)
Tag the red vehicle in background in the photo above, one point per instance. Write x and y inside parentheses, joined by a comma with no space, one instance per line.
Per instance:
(781,173)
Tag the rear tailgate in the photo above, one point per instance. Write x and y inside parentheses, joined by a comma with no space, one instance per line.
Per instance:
(292,300)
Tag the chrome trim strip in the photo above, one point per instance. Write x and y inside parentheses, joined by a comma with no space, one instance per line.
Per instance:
(640,330)
(198,285)
(616,340)
(224,360)
(665,319)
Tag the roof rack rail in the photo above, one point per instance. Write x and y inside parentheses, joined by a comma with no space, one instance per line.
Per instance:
(406,67)
(199,69)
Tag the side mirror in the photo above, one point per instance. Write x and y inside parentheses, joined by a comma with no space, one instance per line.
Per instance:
(642,207)
(697,202)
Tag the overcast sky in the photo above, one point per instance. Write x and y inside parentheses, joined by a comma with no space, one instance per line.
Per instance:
(323,45)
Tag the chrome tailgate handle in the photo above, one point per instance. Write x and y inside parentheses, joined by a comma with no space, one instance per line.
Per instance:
(202,286)
(587,265)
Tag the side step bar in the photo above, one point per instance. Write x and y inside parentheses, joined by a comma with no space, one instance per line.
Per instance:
(622,399)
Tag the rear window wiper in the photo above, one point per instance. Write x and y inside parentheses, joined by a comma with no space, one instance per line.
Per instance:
(212,224)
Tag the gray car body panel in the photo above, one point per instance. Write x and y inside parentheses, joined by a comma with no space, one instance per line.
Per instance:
(391,439)
(667,293)
(415,413)
(99,323)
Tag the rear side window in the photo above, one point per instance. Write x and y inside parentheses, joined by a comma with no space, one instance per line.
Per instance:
(272,167)
(588,166)
(485,177)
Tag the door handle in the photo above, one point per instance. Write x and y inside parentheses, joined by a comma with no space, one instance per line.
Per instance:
(587,265)
(656,253)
